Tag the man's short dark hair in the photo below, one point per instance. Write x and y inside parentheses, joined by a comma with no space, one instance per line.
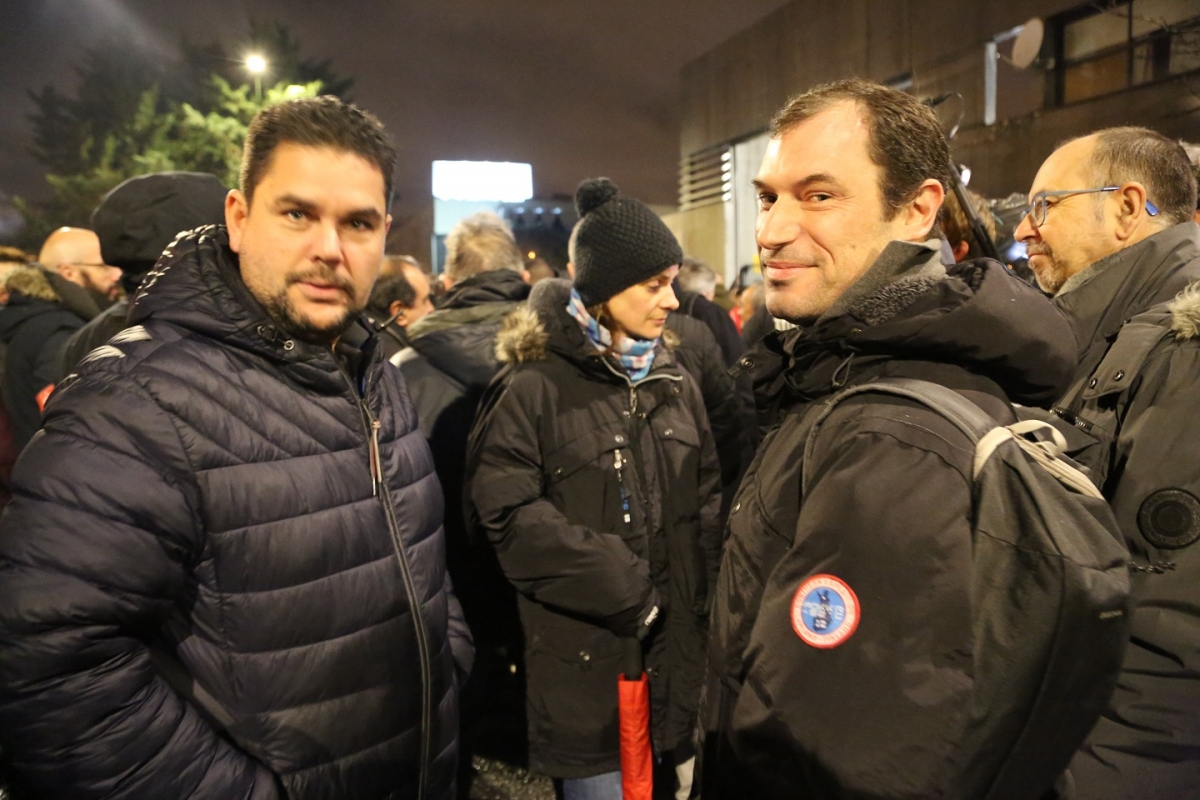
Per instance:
(315,122)
(395,264)
(957,227)
(906,137)
(1151,159)
(387,291)
(481,243)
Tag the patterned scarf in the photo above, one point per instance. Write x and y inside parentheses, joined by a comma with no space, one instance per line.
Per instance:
(635,355)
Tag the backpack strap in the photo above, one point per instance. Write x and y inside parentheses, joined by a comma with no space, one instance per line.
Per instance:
(975,423)
(969,418)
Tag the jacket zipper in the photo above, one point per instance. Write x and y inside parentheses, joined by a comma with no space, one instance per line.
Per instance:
(379,489)
(631,432)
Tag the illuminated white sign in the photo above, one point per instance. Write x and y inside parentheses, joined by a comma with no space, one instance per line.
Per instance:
(494,181)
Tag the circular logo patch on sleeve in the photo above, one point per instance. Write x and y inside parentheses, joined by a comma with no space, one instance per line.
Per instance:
(1170,519)
(825,611)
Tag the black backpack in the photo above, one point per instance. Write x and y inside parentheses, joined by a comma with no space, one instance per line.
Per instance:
(1049,589)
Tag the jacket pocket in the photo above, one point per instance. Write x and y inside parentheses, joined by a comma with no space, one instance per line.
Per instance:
(582,482)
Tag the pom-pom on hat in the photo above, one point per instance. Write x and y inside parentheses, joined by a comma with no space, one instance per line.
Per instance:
(619,242)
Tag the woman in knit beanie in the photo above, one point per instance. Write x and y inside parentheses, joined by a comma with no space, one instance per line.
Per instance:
(592,471)
(625,259)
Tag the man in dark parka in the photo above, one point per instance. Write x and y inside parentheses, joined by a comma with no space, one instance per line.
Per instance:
(1110,234)
(841,655)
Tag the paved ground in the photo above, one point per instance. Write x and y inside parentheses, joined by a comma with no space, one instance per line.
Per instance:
(495,780)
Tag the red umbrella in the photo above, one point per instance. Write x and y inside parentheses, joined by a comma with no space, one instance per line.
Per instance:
(633,701)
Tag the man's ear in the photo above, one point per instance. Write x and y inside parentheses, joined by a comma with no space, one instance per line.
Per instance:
(68,271)
(922,211)
(961,249)
(525,276)
(236,212)
(1131,209)
(447,284)
(398,308)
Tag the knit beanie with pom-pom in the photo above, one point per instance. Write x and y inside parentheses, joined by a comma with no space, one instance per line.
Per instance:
(619,243)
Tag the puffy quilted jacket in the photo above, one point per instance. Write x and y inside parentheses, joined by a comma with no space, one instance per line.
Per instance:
(205,592)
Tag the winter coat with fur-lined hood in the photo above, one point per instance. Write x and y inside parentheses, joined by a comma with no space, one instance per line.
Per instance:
(35,326)
(1136,395)
(222,575)
(601,498)
(879,710)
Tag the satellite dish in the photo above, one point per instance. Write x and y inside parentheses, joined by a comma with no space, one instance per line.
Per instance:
(1028,43)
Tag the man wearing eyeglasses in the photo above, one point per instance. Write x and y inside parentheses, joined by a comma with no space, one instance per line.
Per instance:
(1110,234)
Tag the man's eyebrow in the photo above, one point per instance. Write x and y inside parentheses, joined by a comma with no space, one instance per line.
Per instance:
(297,202)
(368,214)
(807,180)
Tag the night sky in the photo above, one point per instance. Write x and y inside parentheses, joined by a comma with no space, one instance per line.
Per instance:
(577,88)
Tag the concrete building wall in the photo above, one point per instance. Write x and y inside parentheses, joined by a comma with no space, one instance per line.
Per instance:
(732,91)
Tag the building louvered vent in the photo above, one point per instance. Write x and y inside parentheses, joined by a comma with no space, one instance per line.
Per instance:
(706,177)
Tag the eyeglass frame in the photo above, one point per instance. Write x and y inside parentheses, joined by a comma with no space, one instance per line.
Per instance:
(99,266)
(1039,199)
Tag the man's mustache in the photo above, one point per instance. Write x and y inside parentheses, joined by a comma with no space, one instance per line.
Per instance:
(324,275)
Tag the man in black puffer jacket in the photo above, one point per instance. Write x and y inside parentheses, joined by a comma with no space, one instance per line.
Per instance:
(222,574)
(842,658)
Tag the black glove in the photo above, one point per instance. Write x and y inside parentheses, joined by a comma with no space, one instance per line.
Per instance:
(638,621)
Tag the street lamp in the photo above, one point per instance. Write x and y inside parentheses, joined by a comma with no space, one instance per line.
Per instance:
(256,65)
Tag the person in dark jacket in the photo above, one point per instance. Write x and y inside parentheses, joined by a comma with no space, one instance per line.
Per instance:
(398,300)
(135,222)
(1110,235)
(728,401)
(695,290)
(593,473)
(732,419)
(34,325)
(222,569)
(447,366)
(840,663)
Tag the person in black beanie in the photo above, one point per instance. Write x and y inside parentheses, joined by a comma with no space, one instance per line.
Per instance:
(592,471)
(135,222)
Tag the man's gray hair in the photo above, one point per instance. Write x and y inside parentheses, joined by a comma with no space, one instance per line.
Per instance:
(696,276)
(481,243)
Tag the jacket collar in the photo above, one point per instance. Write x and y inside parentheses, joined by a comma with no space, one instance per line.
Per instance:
(483,298)
(975,316)
(1101,298)
(544,325)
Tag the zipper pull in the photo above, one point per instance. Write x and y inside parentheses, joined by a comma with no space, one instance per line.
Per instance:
(618,463)
(376,462)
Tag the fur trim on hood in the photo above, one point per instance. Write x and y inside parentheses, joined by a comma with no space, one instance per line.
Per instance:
(1185,313)
(522,337)
(31,282)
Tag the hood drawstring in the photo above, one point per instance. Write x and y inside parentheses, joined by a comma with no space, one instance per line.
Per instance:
(842,373)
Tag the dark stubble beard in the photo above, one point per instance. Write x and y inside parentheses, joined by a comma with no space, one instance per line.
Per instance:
(283,311)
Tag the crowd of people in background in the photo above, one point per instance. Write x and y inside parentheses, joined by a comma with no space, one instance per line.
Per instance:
(292,517)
